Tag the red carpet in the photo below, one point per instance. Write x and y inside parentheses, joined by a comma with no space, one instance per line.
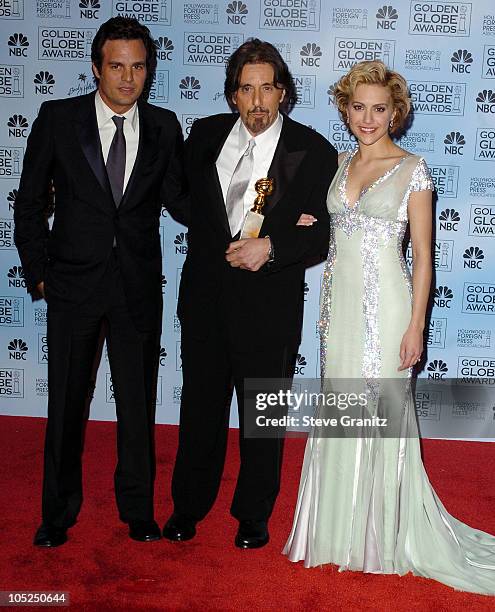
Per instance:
(103,570)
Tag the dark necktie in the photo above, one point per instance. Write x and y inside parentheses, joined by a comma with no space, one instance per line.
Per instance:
(116,160)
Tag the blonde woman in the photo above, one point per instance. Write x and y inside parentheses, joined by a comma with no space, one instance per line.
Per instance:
(365,502)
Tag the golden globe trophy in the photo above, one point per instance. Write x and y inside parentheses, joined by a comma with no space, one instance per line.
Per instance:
(254,217)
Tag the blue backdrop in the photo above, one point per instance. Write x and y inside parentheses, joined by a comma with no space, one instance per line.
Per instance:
(446,50)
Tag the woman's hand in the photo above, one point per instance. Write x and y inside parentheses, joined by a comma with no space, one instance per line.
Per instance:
(411,348)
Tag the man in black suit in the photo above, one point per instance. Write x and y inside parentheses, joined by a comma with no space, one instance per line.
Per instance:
(241,301)
(113,160)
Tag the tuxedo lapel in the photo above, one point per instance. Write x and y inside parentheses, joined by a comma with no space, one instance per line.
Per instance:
(149,137)
(89,139)
(212,184)
(286,160)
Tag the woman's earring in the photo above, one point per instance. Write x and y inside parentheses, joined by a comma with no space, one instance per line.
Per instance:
(391,124)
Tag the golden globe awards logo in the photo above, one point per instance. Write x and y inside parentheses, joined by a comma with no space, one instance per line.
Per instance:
(482,221)
(488,69)
(146,11)
(209,48)
(42,348)
(338,134)
(12,382)
(65,43)
(428,405)
(446,179)
(10,167)
(159,91)
(437,330)
(349,51)
(476,367)
(11,81)
(11,311)
(437,98)
(306,89)
(12,9)
(485,144)
(443,254)
(290,14)
(478,298)
(187,122)
(440,18)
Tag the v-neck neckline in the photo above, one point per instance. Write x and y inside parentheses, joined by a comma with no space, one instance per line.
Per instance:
(365,190)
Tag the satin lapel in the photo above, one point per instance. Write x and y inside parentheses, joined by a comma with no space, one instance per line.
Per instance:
(286,160)
(212,186)
(89,139)
(147,152)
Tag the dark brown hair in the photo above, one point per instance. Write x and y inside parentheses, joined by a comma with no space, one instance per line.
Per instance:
(255,51)
(125,28)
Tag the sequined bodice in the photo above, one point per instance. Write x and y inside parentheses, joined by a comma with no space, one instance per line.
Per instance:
(365,261)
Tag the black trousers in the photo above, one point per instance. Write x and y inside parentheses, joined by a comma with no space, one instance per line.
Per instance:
(73,337)
(211,367)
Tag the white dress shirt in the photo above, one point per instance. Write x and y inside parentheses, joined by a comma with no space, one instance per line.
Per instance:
(236,145)
(107,129)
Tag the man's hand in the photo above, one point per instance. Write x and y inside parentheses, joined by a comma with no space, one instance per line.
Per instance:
(248,254)
(41,288)
(306,220)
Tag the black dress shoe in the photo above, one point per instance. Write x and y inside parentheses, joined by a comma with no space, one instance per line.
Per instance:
(252,534)
(144,531)
(49,537)
(179,528)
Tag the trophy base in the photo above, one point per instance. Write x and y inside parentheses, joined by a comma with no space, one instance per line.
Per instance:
(252,225)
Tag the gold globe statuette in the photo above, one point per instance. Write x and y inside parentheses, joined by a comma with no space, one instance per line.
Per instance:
(254,218)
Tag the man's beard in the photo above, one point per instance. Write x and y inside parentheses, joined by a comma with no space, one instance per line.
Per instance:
(258,124)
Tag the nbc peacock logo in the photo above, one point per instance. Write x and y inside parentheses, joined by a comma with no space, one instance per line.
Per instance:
(473,258)
(44,82)
(237,13)
(164,48)
(461,61)
(454,143)
(17,349)
(437,369)
(449,220)
(89,9)
(18,45)
(189,88)
(443,296)
(386,18)
(485,101)
(310,55)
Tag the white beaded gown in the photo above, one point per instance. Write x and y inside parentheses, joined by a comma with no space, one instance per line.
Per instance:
(366,503)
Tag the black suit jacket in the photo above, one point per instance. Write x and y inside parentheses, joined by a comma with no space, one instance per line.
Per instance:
(64,147)
(303,166)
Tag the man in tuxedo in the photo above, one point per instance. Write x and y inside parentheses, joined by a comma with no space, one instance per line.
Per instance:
(113,160)
(241,301)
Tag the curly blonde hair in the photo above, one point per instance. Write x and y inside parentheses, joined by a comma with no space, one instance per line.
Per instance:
(374,73)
